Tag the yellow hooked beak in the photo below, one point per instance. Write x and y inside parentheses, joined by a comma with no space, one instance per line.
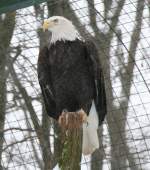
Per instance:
(47,24)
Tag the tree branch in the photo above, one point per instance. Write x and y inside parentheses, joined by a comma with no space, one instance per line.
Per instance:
(115,18)
(132,49)
(16,128)
(20,141)
(92,16)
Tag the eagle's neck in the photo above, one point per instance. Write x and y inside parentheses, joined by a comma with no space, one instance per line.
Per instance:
(66,34)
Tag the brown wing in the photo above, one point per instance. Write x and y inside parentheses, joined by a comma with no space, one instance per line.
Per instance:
(44,77)
(96,71)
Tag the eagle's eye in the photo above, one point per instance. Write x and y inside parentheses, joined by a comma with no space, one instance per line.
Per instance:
(55,20)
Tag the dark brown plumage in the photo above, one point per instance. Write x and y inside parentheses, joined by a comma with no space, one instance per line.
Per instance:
(70,77)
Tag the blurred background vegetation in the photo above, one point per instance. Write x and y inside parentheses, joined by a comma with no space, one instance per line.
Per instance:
(29,140)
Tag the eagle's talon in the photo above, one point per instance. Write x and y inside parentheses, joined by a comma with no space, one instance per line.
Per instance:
(72,120)
(83,115)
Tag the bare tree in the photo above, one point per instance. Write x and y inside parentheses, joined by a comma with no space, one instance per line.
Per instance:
(42,130)
(120,153)
(7,24)
(64,145)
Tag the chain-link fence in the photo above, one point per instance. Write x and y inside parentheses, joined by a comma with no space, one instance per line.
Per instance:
(29,140)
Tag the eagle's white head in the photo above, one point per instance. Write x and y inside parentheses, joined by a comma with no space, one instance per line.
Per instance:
(61,29)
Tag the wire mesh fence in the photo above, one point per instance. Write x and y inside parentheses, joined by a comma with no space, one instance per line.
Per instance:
(121,31)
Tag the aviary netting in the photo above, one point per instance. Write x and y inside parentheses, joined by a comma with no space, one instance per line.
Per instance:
(29,140)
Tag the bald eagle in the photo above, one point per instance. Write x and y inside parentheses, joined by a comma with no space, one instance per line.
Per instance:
(71,80)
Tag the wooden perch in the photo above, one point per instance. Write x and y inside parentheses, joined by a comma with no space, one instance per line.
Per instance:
(71,140)
(72,149)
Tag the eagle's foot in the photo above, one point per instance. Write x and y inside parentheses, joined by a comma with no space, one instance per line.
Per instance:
(83,115)
(72,120)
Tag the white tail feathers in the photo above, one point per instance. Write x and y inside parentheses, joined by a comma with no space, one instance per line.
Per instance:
(90,136)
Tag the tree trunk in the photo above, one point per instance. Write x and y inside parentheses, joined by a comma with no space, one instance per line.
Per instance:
(120,150)
(2,102)
(6,31)
(45,127)
(98,155)
(72,148)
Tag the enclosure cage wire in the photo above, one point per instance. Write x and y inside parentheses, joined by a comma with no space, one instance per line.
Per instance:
(137,123)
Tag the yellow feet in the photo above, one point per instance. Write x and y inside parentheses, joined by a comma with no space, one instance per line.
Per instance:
(72,120)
